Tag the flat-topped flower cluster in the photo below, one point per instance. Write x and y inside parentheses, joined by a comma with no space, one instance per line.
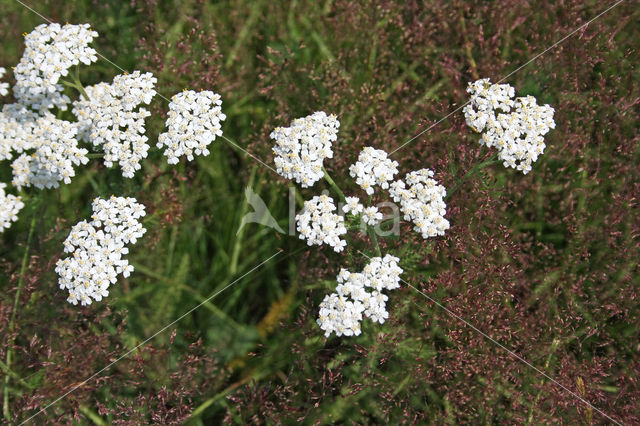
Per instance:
(302,147)
(194,122)
(318,224)
(359,295)
(50,50)
(97,247)
(515,126)
(421,200)
(55,153)
(373,168)
(111,118)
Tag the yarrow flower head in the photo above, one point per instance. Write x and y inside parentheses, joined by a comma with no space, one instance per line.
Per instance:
(421,200)
(111,118)
(514,126)
(301,148)
(56,152)
(373,168)
(318,224)
(50,50)
(10,206)
(97,248)
(359,294)
(4,87)
(194,122)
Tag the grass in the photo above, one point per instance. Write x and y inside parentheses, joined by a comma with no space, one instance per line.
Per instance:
(546,264)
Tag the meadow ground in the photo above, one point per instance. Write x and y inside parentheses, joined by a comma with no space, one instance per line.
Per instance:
(545,264)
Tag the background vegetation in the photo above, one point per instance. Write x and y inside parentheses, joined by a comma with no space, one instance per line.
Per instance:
(546,264)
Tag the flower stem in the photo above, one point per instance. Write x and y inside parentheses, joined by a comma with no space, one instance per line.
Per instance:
(76,79)
(76,84)
(374,239)
(474,171)
(25,258)
(333,184)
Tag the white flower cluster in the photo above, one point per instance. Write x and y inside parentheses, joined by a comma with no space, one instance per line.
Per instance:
(318,224)
(110,118)
(50,50)
(17,129)
(514,126)
(56,152)
(371,216)
(373,168)
(359,294)
(97,247)
(422,202)
(10,205)
(352,205)
(4,87)
(194,122)
(301,148)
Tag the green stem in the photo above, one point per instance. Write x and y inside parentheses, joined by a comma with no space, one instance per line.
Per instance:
(95,155)
(372,232)
(474,171)
(13,374)
(374,239)
(5,406)
(92,415)
(333,185)
(76,84)
(76,79)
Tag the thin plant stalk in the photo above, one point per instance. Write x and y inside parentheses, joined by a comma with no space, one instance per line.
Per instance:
(79,86)
(374,239)
(76,84)
(5,405)
(333,185)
